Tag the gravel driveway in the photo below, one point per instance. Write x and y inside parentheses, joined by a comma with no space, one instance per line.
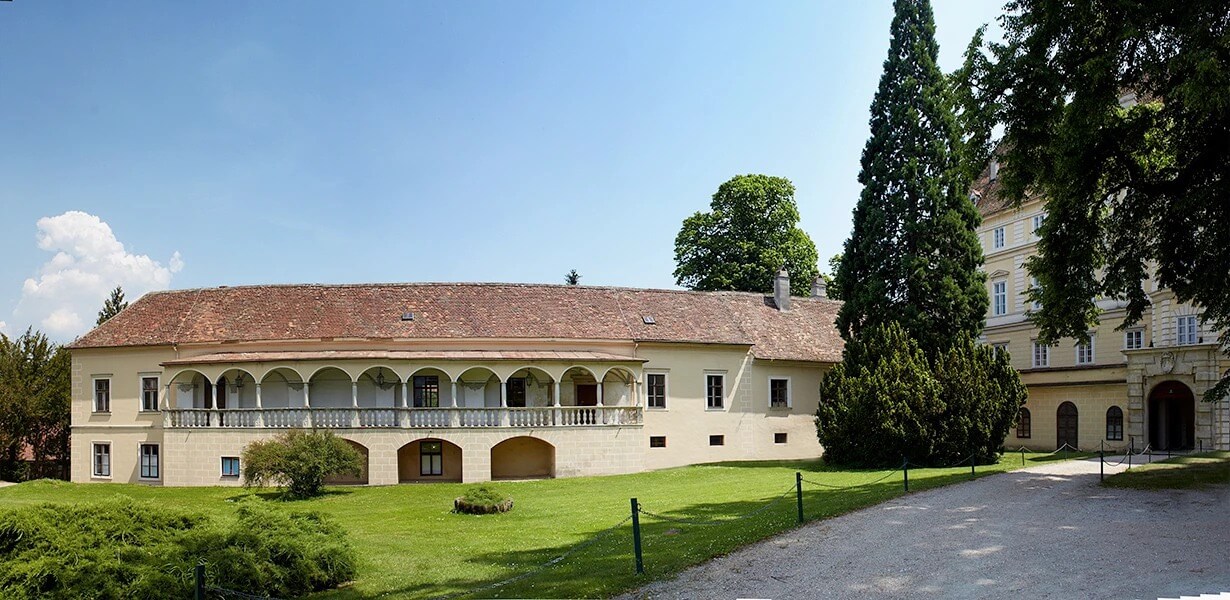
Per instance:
(1043,532)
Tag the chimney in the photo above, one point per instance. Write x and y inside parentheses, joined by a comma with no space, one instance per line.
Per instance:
(781,289)
(819,289)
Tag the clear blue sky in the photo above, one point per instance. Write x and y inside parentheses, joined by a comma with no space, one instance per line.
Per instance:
(405,141)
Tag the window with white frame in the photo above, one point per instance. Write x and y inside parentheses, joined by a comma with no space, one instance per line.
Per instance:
(999,297)
(102,395)
(230,466)
(1188,329)
(715,390)
(102,459)
(149,393)
(1039,219)
(149,461)
(997,237)
(999,348)
(1033,284)
(655,390)
(1084,351)
(1133,339)
(779,392)
(1042,354)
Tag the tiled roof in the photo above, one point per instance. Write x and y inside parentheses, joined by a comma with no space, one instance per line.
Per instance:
(467,355)
(474,311)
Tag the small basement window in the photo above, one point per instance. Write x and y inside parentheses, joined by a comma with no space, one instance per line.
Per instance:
(779,438)
(717,440)
(657,441)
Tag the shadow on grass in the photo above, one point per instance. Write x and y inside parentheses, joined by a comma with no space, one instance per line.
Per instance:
(283,496)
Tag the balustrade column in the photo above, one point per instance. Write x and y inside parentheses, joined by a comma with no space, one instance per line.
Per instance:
(260,413)
(556,414)
(354,404)
(454,416)
(504,404)
(404,389)
(601,403)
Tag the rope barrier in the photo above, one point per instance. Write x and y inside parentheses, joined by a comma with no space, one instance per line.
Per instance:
(540,568)
(685,521)
(962,462)
(847,487)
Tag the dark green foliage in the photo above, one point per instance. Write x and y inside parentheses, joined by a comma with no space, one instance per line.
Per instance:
(572,277)
(128,549)
(886,401)
(114,304)
(750,231)
(482,500)
(299,461)
(914,254)
(35,399)
(1131,193)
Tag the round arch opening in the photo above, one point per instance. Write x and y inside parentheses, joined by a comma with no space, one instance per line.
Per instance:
(349,479)
(1066,426)
(428,460)
(522,457)
(1172,416)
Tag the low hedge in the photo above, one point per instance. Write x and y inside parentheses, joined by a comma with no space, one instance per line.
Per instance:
(127,549)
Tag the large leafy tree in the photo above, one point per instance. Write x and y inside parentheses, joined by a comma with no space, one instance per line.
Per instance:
(35,403)
(750,231)
(1132,193)
(914,254)
(112,306)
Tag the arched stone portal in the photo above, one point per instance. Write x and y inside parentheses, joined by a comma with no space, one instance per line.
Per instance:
(1172,416)
(522,457)
(351,479)
(429,460)
(1066,430)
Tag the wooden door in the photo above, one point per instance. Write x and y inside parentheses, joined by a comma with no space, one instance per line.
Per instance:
(1065,426)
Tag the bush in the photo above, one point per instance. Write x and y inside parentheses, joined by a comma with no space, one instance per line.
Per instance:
(885,401)
(299,461)
(127,549)
(482,501)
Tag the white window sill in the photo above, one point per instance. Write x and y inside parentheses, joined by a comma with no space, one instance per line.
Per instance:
(101,477)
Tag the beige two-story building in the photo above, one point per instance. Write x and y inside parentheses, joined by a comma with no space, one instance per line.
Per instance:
(1139,386)
(450,382)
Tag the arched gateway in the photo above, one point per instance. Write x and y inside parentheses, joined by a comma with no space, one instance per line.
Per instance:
(1172,416)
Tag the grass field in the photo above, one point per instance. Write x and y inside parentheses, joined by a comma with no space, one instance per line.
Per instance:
(411,545)
(1191,471)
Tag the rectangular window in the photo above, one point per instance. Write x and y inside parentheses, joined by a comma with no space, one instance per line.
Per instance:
(998,237)
(1033,284)
(431,458)
(1084,352)
(999,348)
(1134,339)
(715,390)
(230,466)
(149,461)
(149,394)
(102,460)
(779,392)
(655,390)
(1042,355)
(1039,219)
(1188,329)
(779,438)
(657,441)
(426,391)
(102,395)
(999,297)
(717,440)
(516,392)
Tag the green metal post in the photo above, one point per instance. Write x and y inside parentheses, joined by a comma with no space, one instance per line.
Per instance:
(798,493)
(200,582)
(1022,456)
(905,469)
(636,537)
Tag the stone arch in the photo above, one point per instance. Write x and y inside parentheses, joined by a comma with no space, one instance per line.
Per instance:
(189,388)
(330,387)
(282,387)
(476,391)
(1171,416)
(379,387)
(433,390)
(1067,426)
(523,457)
(617,386)
(235,388)
(429,460)
(537,383)
(351,479)
(579,386)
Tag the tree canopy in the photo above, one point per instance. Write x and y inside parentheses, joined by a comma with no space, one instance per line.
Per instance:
(750,231)
(112,306)
(35,404)
(572,277)
(1133,192)
(914,254)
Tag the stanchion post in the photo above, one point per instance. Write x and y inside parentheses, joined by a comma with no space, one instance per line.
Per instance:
(905,470)
(1101,465)
(199,576)
(1130,458)
(636,537)
(971,466)
(1200,444)
(1022,456)
(798,493)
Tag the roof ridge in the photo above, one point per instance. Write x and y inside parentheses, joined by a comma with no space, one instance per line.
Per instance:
(459,284)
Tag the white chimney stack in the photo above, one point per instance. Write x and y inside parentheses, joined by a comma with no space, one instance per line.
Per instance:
(781,289)
(819,289)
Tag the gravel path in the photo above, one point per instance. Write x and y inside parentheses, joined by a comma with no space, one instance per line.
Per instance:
(1043,532)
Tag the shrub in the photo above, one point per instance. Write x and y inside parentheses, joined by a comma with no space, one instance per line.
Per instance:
(982,396)
(299,461)
(126,549)
(481,501)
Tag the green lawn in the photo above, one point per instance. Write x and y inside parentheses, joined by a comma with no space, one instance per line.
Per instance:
(1191,471)
(411,545)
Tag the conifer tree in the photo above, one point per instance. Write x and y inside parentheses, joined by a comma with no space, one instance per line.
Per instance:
(114,304)
(913,256)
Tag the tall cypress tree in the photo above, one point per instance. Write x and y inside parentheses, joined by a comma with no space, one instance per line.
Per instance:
(913,256)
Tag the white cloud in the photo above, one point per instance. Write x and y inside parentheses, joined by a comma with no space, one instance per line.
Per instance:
(88,263)
(4,328)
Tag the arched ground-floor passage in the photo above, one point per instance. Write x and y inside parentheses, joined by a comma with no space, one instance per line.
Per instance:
(429,460)
(361,479)
(1172,416)
(1067,430)
(522,457)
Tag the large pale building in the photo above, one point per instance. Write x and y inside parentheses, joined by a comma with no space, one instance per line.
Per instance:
(450,382)
(1140,386)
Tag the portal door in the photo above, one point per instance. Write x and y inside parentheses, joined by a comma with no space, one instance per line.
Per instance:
(1172,417)
(1066,426)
